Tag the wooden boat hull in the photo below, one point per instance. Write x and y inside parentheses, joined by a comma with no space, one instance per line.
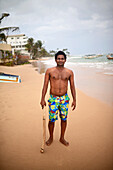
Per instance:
(92,56)
(8,78)
(109,57)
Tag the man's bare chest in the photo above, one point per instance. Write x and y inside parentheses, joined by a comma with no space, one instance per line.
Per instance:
(59,76)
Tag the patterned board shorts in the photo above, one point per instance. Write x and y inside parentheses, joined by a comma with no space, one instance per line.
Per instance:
(60,104)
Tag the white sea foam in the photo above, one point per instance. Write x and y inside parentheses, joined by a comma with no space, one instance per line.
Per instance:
(111,74)
(101,63)
(74,57)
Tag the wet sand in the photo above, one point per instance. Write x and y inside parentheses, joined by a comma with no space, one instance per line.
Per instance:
(89,129)
(95,83)
(92,81)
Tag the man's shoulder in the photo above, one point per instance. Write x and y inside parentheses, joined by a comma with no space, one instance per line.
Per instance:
(68,70)
(50,69)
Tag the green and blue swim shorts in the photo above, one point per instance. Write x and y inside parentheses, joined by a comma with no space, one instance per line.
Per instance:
(58,103)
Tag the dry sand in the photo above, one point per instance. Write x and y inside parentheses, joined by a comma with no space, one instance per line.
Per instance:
(89,129)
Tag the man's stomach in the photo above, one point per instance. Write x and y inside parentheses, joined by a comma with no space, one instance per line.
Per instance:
(58,92)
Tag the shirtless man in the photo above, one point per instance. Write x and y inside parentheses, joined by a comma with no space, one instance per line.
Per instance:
(58,77)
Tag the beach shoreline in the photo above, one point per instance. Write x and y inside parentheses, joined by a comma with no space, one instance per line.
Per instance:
(93,82)
(89,129)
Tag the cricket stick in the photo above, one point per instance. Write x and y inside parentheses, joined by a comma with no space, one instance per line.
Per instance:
(44,131)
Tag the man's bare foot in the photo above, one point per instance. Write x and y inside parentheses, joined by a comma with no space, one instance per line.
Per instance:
(64,142)
(49,141)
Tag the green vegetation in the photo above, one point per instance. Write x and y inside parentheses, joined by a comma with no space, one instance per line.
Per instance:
(36,49)
(7,58)
(52,52)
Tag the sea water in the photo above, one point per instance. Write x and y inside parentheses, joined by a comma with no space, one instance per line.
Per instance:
(99,63)
(93,76)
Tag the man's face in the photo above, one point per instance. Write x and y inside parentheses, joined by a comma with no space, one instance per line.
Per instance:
(60,60)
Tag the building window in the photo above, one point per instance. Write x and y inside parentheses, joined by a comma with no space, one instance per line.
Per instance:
(17,37)
(12,38)
(13,46)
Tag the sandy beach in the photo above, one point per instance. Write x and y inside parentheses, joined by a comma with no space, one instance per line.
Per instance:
(89,129)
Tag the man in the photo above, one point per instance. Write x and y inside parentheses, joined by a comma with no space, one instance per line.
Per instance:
(58,77)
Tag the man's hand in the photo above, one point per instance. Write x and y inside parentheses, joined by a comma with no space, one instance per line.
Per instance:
(73,105)
(43,103)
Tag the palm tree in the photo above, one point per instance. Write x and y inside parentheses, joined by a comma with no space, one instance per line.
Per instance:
(66,51)
(40,44)
(3,37)
(4,15)
(35,50)
(7,29)
(43,52)
(52,52)
(29,46)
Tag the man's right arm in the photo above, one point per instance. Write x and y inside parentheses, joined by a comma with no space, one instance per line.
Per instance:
(73,91)
(44,90)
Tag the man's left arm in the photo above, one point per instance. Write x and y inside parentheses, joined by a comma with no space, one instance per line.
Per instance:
(73,91)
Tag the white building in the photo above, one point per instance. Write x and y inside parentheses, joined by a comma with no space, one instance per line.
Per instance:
(3,48)
(18,43)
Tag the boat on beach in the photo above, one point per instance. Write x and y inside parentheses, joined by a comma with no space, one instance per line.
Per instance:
(110,56)
(9,78)
(92,56)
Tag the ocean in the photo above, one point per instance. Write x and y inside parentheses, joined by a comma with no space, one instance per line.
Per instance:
(99,63)
(92,76)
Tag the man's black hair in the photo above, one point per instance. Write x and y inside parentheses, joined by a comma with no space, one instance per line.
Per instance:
(60,53)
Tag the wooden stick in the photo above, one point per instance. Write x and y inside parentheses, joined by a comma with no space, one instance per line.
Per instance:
(44,131)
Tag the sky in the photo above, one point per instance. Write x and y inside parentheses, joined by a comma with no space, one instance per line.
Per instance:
(81,26)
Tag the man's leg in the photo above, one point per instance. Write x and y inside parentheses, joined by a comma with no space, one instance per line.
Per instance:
(63,128)
(51,129)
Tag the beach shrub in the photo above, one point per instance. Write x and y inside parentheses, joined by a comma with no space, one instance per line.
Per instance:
(22,60)
(9,63)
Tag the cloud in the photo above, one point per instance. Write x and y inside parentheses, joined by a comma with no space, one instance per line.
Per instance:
(70,20)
